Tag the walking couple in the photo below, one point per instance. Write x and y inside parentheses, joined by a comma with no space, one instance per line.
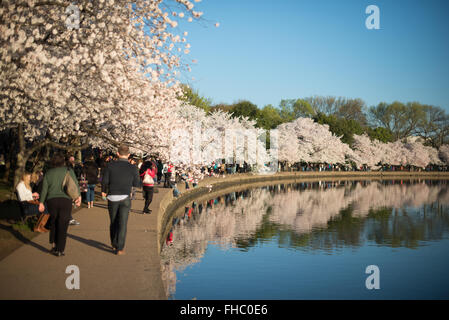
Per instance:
(118,179)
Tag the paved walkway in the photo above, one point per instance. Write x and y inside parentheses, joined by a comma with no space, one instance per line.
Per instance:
(31,272)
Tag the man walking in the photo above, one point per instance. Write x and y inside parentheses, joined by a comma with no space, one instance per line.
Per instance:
(160,167)
(118,179)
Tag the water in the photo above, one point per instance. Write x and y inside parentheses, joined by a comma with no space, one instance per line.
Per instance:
(313,241)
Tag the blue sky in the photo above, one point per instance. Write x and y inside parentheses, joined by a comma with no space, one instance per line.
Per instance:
(265,51)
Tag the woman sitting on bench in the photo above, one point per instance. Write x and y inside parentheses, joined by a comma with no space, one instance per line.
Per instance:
(29,200)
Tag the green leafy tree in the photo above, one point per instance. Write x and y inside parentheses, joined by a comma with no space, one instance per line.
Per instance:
(341,127)
(352,109)
(381,134)
(286,110)
(193,97)
(302,108)
(434,128)
(223,107)
(291,109)
(269,117)
(245,108)
(401,119)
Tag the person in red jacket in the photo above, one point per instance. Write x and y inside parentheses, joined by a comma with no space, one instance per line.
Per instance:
(148,186)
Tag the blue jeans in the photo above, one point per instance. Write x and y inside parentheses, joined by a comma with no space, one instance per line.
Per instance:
(118,214)
(31,209)
(90,193)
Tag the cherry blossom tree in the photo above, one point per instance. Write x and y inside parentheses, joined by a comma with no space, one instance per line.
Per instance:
(421,155)
(202,138)
(443,153)
(374,152)
(308,141)
(304,140)
(289,150)
(366,152)
(89,69)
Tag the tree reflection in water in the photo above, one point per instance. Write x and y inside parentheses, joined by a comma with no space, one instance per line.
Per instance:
(308,216)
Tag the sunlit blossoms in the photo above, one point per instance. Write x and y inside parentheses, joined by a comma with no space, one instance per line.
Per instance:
(444,153)
(203,138)
(304,140)
(103,72)
(90,69)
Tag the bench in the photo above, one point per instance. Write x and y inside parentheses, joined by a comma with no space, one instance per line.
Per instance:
(23,214)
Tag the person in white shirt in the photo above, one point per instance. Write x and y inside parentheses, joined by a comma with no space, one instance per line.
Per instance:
(27,197)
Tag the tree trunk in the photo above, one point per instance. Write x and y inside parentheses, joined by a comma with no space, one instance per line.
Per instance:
(20,167)
(7,168)
(24,154)
(10,151)
(22,157)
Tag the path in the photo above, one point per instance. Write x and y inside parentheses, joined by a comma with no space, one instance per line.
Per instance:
(31,272)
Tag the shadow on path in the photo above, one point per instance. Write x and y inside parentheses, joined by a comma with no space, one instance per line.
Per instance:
(23,239)
(105,206)
(92,243)
(99,205)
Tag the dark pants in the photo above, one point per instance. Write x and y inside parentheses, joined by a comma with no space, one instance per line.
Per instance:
(118,214)
(30,209)
(167,179)
(159,177)
(60,210)
(148,196)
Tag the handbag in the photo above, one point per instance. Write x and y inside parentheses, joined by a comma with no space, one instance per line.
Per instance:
(83,183)
(147,179)
(41,222)
(69,186)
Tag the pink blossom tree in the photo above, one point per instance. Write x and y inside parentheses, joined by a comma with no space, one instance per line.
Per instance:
(308,141)
(91,69)
(443,153)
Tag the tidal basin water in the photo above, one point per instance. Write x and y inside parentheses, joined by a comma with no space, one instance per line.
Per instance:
(313,240)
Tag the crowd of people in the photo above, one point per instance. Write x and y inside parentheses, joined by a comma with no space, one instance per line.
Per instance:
(119,175)
(305,167)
